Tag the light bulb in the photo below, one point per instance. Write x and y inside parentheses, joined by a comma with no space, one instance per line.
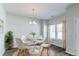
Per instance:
(34,22)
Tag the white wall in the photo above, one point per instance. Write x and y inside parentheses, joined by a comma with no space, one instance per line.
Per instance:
(20,25)
(2,17)
(72,39)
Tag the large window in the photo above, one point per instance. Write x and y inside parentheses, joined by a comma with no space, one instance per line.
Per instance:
(45,31)
(52,31)
(56,31)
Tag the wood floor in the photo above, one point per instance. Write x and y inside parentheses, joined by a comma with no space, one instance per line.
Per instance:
(52,51)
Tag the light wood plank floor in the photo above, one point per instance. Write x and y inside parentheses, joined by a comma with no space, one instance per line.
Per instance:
(52,51)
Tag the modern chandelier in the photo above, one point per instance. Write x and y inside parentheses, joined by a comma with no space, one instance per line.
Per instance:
(33,21)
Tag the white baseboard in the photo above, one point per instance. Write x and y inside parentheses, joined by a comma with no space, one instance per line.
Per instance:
(69,52)
(56,45)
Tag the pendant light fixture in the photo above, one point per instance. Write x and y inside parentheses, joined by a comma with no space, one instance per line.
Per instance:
(33,21)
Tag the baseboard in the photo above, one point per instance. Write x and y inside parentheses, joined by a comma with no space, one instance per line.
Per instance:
(57,46)
(69,53)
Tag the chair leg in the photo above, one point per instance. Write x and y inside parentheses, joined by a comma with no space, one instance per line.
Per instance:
(41,52)
(48,51)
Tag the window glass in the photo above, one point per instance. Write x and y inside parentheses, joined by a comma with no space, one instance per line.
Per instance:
(52,27)
(52,31)
(56,31)
(59,27)
(59,35)
(52,35)
(45,31)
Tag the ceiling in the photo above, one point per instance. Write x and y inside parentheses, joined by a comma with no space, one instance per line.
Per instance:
(42,10)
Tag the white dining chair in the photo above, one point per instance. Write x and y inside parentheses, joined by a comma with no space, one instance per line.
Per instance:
(22,48)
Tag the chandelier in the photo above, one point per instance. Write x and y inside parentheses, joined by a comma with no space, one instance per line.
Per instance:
(33,21)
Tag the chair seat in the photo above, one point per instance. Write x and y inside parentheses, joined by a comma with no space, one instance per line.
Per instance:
(35,50)
(45,45)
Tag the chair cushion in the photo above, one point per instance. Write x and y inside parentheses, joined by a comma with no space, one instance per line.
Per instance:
(45,45)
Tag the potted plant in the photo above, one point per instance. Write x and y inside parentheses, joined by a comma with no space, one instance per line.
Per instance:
(33,34)
(9,40)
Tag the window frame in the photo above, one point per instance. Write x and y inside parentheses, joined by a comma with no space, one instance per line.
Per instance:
(53,31)
(56,32)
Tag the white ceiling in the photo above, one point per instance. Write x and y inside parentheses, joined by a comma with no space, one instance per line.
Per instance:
(42,10)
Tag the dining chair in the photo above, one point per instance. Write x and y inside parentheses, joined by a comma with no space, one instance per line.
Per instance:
(22,48)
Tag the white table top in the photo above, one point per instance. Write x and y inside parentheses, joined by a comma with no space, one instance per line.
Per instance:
(31,42)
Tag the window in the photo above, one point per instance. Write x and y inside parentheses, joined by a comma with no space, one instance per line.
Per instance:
(59,31)
(56,31)
(45,31)
(52,31)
